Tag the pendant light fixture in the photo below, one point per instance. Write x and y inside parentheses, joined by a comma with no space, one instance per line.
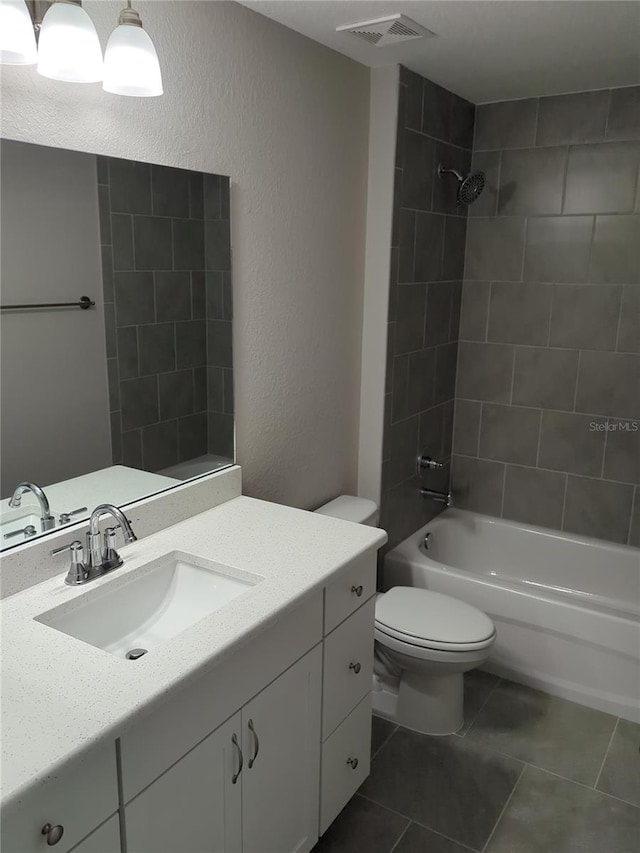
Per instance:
(68,46)
(17,36)
(131,65)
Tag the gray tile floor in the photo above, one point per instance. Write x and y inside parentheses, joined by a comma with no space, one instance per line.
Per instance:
(528,773)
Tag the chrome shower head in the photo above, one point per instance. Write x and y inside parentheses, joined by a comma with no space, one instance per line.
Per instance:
(469,186)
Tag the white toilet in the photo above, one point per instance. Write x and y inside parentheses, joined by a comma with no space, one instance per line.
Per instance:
(425,641)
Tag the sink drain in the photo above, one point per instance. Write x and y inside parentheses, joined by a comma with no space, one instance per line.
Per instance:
(134,654)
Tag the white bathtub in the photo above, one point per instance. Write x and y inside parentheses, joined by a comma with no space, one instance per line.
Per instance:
(566,608)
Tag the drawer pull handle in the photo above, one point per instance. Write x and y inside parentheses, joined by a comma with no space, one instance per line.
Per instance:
(352,762)
(53,833)
(234,741)
(357,589)
(257,744)
(355,667)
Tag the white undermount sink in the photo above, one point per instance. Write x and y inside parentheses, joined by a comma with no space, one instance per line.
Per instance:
(152,604)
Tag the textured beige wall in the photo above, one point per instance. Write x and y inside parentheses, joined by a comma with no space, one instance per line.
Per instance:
(287,119)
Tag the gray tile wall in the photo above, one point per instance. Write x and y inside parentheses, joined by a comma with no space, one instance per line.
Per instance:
(167,285)
(547,421)
(427,261)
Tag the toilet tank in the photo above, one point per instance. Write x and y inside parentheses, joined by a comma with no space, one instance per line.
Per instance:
(350,508)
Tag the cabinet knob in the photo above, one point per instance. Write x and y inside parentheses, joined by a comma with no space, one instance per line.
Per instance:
(352,762)
(53,833)
(356,667)
(357,590)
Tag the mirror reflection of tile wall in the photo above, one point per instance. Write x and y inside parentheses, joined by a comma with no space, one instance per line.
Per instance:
(166,262)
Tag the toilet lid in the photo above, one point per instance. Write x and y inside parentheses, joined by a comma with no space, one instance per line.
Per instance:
(421,617)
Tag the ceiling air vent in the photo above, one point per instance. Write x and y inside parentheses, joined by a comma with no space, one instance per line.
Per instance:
(383,32)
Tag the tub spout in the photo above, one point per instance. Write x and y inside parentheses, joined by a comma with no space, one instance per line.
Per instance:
(445,498)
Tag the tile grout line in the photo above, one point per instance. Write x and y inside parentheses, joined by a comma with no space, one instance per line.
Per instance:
(564,499)
(575,393)
(504,808)
(483,705)
(606,753)
(402,835)
(417,822)
(386,740)
(550,470)
(553,773)
(541,417)
(635,497)
(622,290)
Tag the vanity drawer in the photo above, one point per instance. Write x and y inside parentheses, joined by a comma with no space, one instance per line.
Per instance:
(352,587)
(78,799)
(348,666)
(351,742)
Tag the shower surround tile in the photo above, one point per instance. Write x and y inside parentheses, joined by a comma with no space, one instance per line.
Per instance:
(428,251)
(550,315)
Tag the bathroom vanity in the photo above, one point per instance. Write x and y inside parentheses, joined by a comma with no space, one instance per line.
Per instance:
(247,731)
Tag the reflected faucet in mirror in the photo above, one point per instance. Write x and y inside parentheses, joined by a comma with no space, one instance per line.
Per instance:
(47,521)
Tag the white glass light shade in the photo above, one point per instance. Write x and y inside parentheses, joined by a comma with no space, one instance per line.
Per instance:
(17,36)
(68,47)
(131,65)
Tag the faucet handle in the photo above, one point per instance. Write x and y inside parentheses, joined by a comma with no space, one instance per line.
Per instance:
(65,517)
(429,463)
(78,571)
(63,548)
(110,557)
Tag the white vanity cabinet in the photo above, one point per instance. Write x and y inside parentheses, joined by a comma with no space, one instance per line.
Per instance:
(257,753)
(281,747)
(250,786)
(349,616)
(71,802)
(105,839)
(194,806)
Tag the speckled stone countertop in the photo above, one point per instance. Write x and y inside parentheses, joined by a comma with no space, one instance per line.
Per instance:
(61,696)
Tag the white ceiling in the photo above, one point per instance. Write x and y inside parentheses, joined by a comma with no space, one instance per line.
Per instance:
(487,50)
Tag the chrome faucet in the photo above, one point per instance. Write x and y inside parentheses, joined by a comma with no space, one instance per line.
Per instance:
(445,498)
(97,559)
(47,521)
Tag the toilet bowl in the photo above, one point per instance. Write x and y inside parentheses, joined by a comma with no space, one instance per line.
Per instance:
(425,642)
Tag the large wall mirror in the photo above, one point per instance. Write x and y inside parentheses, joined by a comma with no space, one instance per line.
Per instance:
(134,394)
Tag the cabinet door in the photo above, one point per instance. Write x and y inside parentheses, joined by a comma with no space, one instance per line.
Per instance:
(195,807)
(106,839)
(281,744)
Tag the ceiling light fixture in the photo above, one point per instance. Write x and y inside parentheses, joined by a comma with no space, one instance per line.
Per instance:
(131,65)
(68,46)
(17,37)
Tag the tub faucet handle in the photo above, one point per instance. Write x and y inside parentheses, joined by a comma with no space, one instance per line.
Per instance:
(429,464)
(427,540)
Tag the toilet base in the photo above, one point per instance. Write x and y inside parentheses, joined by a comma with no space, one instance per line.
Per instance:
(434,709)
(431,704)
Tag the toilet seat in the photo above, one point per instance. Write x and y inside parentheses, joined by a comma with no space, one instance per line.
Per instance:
(420,618)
